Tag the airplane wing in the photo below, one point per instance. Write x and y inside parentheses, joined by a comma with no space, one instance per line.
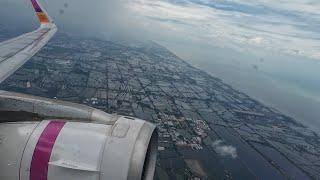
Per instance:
(15,52)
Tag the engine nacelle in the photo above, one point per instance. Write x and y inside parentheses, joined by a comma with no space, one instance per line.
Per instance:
(71,150)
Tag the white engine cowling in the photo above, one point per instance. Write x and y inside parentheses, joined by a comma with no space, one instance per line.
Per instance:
(71,150)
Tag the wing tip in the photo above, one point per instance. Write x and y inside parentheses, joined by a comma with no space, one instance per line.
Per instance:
(41,13)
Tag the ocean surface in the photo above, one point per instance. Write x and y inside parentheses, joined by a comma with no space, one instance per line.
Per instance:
(288,83)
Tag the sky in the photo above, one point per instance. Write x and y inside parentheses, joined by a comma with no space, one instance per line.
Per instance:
(288,26)
(270,49)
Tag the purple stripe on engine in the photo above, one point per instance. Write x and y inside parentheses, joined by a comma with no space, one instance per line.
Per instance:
(36,6)
(43,150)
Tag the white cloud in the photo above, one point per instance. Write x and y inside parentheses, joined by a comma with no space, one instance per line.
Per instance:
(224,150)
(279,26)
(288,26)
(257,40)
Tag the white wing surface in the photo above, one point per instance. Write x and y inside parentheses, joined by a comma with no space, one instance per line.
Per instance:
(15,52)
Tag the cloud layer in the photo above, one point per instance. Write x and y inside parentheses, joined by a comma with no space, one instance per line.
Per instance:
(224,150)
(288,26)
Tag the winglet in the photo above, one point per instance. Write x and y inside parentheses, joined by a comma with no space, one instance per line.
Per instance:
(41,13)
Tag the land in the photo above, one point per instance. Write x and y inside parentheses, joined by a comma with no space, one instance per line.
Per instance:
(207,129)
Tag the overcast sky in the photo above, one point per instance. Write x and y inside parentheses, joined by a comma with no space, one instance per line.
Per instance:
(290,26)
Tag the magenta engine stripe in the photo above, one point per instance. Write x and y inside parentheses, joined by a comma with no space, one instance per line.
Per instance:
(43,150)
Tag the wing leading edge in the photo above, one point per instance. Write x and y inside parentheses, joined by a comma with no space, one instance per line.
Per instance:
(15,52)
